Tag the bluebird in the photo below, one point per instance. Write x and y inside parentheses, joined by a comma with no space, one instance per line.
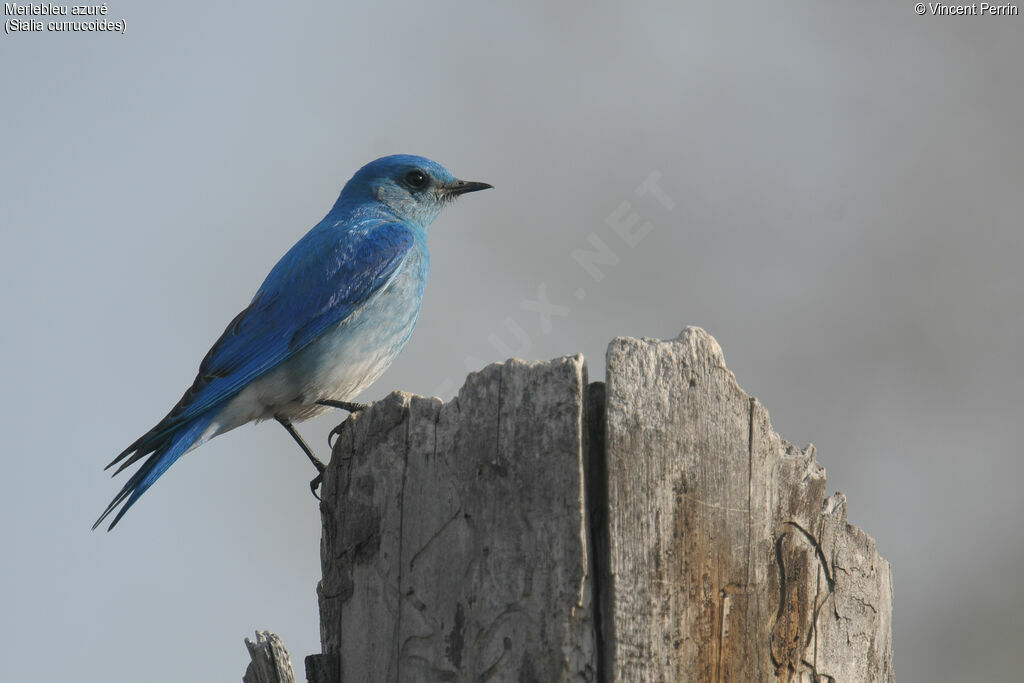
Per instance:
(325,324)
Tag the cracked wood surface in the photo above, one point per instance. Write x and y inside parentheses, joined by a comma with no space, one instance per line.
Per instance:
(454,543)
(464,541)
(727,562)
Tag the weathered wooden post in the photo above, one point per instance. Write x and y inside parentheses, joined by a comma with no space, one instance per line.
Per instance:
(454,541)
(540,528)
(728,562)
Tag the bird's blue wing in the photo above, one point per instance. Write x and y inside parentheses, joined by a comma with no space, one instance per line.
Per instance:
(307,294)
(315,286)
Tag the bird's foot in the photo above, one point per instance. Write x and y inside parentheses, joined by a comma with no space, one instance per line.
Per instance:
(314,484)
(344,405)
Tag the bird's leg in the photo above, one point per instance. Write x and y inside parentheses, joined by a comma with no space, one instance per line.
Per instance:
(320,467)
(344,405)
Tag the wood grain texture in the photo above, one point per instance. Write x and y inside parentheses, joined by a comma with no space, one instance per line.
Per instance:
(270,661)
(464,541)
(726,562)
(455,542)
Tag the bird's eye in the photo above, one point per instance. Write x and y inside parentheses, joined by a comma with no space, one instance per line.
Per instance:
(415,179)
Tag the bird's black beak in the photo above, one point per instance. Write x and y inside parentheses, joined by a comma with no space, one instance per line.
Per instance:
(463,186)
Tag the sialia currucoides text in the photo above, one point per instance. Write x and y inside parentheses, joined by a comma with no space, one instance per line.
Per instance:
(326,323)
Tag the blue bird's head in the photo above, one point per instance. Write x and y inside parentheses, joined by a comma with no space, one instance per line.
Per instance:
(411,188)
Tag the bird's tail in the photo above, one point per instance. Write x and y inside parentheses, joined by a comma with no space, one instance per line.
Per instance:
(164,446)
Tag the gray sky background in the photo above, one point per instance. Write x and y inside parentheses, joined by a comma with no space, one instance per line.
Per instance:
(847,185)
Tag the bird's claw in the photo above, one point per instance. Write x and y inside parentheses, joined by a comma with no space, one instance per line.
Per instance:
(333,435)
(314,484)
(352,408)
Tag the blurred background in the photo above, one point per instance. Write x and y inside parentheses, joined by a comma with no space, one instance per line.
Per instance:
(841,207)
